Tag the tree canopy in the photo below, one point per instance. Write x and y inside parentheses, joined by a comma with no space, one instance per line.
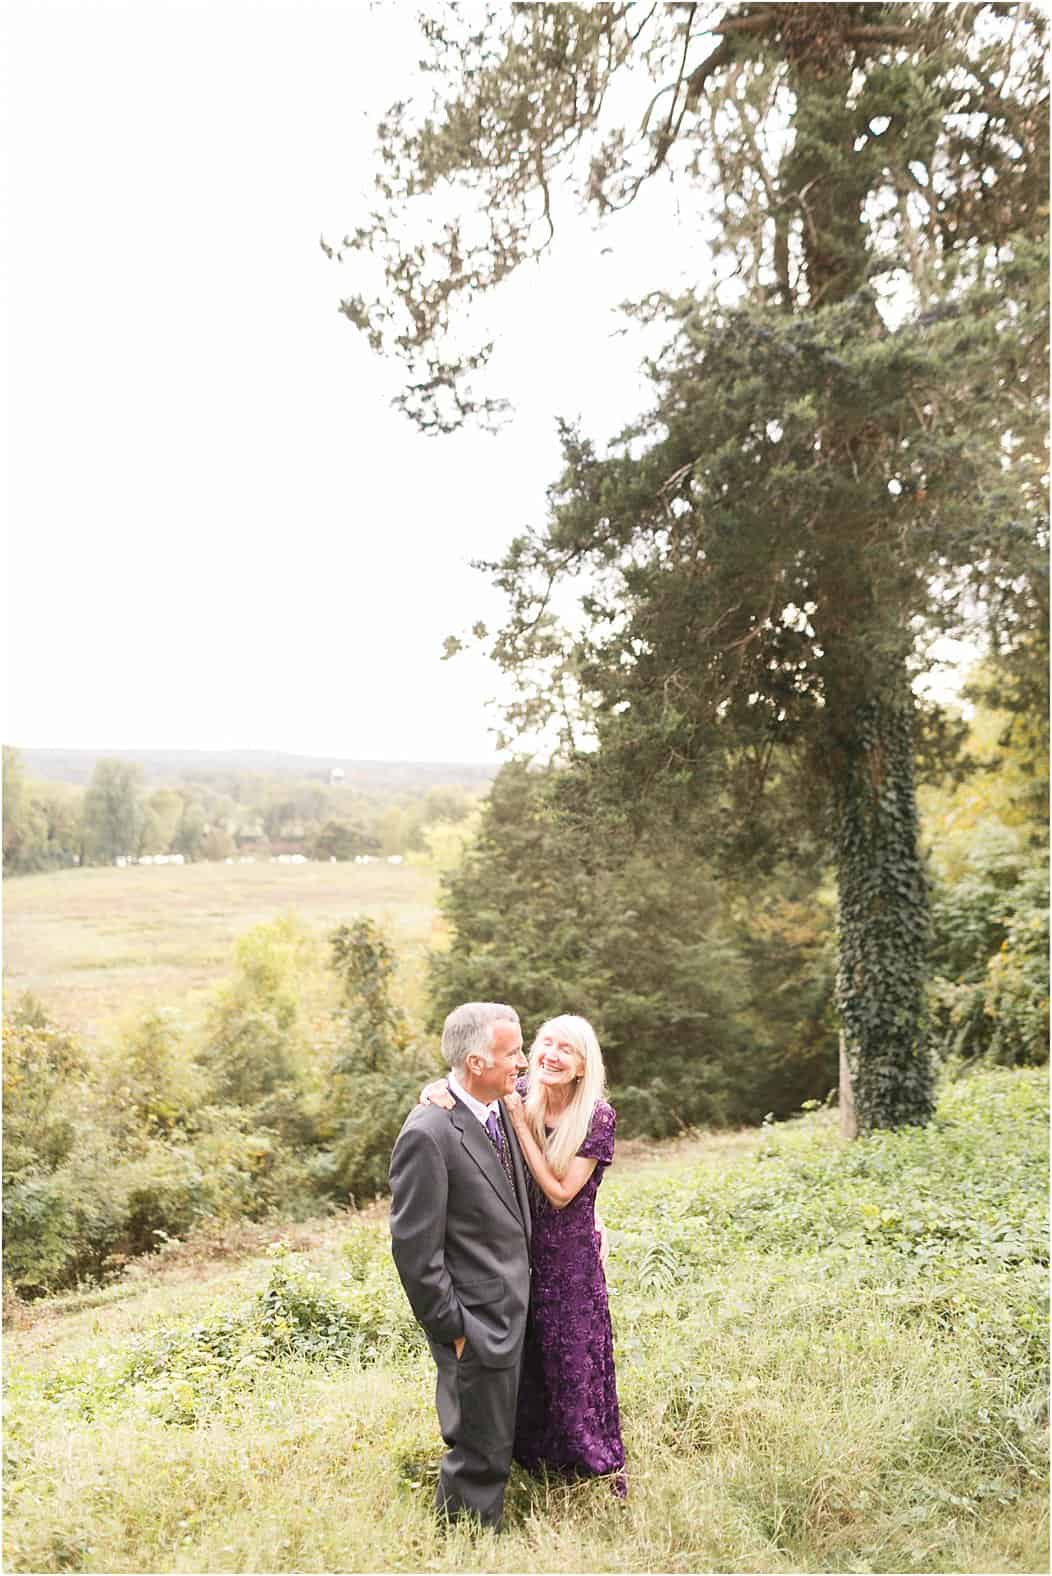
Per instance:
(844,454)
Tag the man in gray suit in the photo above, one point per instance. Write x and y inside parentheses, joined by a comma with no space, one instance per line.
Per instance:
(460,1234)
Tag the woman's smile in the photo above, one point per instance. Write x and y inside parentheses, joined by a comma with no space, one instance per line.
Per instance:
(558,1064)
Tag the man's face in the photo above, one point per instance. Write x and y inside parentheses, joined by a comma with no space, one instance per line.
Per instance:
(505,1049)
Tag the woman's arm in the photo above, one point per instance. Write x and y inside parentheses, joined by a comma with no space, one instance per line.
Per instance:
(559,1191)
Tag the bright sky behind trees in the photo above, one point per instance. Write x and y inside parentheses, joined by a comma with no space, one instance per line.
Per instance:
(221,534)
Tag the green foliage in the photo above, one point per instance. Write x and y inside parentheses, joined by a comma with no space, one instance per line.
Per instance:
(44,1072)
(988,857)
(25,830)
(253,1033)
(152,1088)
(343,840)
(990,989)
(189,836)
(87,1180)
(42,821)
(104,1160)
(84,1220)
(378,1066)
(374,1025)
(542,101)
(883,924)
(968,1190)
(709,998)
(179,1372)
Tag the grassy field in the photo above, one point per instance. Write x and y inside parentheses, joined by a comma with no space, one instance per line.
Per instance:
(97,944)
(830,1357)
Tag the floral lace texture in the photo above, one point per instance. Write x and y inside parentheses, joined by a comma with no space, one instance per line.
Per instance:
(568,1415)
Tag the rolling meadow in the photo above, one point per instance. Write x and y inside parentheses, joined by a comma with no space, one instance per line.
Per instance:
(99,945)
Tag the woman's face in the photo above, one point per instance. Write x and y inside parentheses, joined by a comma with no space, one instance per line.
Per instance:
(557,1060)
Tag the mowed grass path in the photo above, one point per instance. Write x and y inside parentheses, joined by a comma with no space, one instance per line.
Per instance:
(94,945)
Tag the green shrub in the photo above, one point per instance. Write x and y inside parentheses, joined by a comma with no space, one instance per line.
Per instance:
(182,1369)
(989,990)
(84,1220)
(45,1073)
(151,1084)
(65,1227)
(254,1039)
(378,1065)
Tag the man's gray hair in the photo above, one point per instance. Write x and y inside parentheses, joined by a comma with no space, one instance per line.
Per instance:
(468,1030)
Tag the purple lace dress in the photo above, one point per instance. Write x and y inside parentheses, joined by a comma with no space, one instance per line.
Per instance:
(568,1416)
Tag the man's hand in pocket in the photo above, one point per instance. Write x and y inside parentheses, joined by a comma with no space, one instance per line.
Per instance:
(458,1346)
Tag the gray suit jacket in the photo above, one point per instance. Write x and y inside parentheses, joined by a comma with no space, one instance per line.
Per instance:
(460,1232)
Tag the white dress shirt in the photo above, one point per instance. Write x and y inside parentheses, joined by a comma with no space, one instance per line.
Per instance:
(476,1107)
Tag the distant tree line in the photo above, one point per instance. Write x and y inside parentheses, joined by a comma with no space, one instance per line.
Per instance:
(56,825)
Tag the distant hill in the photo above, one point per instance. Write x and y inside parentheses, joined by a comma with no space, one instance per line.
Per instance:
(172,766)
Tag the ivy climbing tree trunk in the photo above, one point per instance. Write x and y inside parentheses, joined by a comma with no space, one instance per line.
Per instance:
(867,755)
(883,920)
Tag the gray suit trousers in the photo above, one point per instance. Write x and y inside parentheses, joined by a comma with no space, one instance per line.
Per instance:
(476,1413)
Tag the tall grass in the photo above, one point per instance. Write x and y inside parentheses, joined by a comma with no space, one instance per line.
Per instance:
(830,1358)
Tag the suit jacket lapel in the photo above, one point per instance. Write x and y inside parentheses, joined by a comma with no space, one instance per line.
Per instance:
(475,1140)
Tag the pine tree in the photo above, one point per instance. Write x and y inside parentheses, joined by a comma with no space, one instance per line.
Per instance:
(844,451)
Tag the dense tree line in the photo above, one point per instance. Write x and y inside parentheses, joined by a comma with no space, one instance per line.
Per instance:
(712,996)
(56,825)
(712,979)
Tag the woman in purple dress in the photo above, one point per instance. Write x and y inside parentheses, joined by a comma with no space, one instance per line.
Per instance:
(568,1415)
(568,1418)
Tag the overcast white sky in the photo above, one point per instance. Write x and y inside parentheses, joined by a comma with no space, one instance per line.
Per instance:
(221,534)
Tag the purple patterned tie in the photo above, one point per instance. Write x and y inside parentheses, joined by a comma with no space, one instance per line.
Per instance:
(496,1137)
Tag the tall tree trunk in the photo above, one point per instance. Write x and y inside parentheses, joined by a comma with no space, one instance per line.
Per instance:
(883,911)
(883,921)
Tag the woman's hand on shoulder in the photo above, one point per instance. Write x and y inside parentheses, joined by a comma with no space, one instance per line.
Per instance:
(437,1093)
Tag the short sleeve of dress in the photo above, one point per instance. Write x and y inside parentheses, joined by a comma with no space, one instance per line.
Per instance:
(599,1144)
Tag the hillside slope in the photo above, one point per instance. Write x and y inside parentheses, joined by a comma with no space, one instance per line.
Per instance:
(830,1358)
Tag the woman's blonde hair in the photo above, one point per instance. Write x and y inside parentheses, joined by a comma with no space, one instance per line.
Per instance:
(562,1144)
